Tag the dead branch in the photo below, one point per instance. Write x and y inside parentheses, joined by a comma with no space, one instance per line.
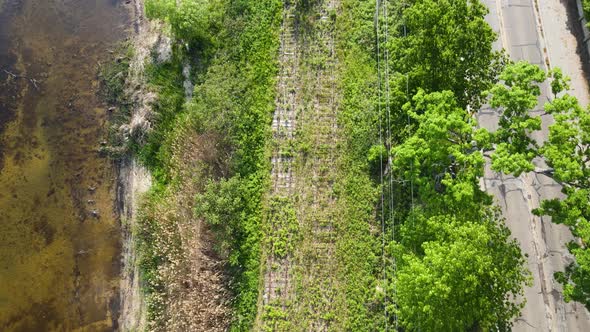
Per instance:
(31,80)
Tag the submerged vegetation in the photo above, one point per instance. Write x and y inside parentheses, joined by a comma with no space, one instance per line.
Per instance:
(420,245)
(113,77)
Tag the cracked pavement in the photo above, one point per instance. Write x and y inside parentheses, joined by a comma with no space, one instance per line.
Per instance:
(525,35)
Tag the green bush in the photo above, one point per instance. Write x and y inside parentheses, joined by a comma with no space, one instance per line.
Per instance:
(586,9)
(188,19)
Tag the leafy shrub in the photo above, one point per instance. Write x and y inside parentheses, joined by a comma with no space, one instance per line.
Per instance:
(188,19)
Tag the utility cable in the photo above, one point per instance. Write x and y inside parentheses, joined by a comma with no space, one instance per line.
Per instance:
(379,86)
(389,145)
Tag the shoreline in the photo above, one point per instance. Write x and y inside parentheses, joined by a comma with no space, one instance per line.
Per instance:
(133,179)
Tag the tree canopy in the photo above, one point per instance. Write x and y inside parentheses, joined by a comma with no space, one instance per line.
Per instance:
(441,156)
(467,277)
(447,45)
(566,153)
(514,97)
(457,269)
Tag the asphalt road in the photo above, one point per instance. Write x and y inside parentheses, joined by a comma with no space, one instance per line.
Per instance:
(525,36)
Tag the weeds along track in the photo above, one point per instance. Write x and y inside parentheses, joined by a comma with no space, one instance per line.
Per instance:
(278,264)
(300,272)
(318,214)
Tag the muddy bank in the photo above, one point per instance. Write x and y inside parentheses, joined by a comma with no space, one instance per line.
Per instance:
(133,179)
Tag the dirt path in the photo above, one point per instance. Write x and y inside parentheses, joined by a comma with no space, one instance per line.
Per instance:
(299,283)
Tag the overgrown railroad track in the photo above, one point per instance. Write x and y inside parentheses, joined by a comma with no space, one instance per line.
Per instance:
(299,290)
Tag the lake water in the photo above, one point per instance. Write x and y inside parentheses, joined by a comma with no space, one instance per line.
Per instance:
(59,236)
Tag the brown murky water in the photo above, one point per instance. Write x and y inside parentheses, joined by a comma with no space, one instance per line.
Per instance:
(59,263)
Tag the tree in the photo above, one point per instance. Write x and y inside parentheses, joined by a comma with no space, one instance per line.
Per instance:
(566,152)
(459,269)
(441,157)
(466,279)
(514,97)
(447,45)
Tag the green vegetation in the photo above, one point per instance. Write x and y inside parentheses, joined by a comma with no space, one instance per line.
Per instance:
(436,76)
(439,158)
(252,46)
(357,245)
(114,74)
(444,45)
(282,235)
(113,78)
(461,281)
(586,8)
(166,80)
(418,244)
(232,47)
(282,227)
(516,97)
(159,242)
(276,319)
(566,153)
(451,264)
(190,21)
